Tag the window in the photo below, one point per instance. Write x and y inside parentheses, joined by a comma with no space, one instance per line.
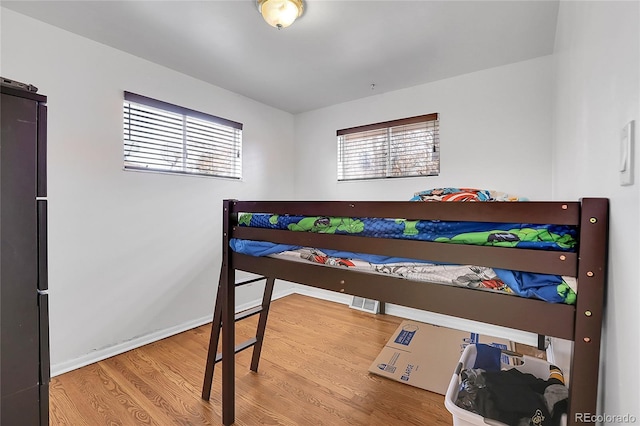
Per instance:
(398,148)
(163,137)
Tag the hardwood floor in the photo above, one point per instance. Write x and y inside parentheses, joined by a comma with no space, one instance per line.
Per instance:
(313,371)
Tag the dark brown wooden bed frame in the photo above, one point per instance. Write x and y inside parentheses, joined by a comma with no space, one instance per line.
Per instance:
(580,323)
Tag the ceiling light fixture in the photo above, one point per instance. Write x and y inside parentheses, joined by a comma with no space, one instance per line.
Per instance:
(280,13)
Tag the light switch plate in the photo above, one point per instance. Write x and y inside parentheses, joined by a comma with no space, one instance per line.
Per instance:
(626,154)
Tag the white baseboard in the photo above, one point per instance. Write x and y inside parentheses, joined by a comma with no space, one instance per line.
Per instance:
(120,348)
(101,354)
(318,293)
(429,317)
(390,309)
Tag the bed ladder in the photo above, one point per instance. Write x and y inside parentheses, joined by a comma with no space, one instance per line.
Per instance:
(213,357)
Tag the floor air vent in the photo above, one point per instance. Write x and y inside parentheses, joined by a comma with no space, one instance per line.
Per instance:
(367,305)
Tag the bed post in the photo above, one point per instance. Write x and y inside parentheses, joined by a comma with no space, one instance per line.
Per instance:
(592,276)
(227,277)
(216,326)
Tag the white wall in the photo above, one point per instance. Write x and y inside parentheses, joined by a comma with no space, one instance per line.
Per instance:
(495,133)
(597,92)
(132,256)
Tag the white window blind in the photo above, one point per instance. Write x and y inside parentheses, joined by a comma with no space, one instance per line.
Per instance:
(399,148)
(159,136)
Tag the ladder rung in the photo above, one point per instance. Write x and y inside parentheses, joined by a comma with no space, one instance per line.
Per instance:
(248,313)
(241,347)
(253,280)
(217,327)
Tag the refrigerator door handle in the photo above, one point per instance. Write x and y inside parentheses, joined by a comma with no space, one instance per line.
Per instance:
(41,159)
(43,312)
(43,275)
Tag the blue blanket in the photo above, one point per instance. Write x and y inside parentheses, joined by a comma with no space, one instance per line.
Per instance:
(529,236)
(550,288)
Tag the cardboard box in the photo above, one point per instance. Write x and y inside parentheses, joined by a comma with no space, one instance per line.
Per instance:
(424,355)
(530,351)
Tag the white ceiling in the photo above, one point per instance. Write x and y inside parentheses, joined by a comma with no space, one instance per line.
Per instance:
(332,54)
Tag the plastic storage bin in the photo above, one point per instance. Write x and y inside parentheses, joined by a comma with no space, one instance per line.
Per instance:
(462,417)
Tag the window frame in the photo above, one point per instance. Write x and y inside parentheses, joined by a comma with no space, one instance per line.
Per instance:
(388,125)
(186,113)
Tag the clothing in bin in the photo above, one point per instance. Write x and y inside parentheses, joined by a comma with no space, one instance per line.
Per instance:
(511,396)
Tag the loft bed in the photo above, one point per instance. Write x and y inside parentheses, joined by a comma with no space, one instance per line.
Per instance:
(580,322)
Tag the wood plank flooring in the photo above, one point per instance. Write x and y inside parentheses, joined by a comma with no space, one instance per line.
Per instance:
(313,371)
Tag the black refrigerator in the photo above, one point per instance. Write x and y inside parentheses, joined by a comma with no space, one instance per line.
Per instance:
(24,317)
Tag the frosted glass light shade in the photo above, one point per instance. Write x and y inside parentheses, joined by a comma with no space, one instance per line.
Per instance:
(280,13)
